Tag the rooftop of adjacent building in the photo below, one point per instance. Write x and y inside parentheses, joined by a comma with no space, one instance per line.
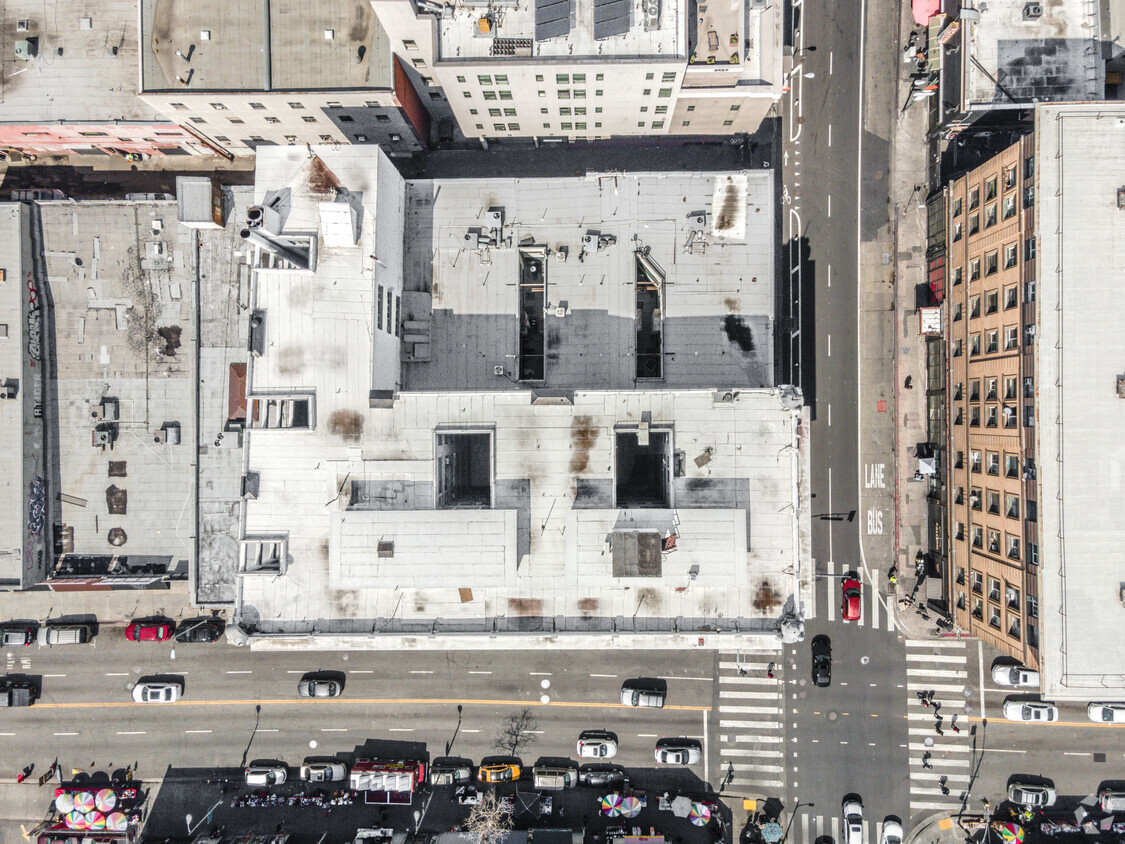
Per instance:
(84,65)
(122,286)
(250,45)
(568,30)
(1020,53)
(1081,388)
(13,291)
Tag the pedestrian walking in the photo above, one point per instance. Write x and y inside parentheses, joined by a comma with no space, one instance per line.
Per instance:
(769,671)
(926,760)
(936,706)
(909,382)
(937,728)
(922,699)
(26,772)
(985,805)
(953,723)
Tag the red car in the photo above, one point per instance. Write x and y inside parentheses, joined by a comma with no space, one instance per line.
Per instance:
(150,630)
(852,592)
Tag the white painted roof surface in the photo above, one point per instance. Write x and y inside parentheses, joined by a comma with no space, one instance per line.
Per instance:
(13,495)
(1080,169)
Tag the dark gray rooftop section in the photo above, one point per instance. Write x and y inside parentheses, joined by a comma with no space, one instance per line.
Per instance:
(1041,69)
(611,17)
(553,18)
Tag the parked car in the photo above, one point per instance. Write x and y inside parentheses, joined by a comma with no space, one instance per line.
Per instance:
(1111,801)
(852,810)
(1035,794)
(449,771)
(1030,711)
(17,691)
(892,831)
(200,630)
(157,691)
(1106,713)
(636,693)
(678,751)
(499,772)
(597,744)
(821,648)
(851,592)
(1015,675)
(553,778)
(601,776)
(319,687)
(65,634)
(266,772)
(324,771)
(16,636)
(149,630)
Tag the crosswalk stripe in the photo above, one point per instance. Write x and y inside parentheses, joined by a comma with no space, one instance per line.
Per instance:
(927,775)
(741,680)
(933,672)
(928,714)
(833,591)
(738,693)
(746,751)
(959,658)
(757,666)
(874,589)
(750,710)
(891,614)
(956,748)
(935,643)
(750,725)
(931,805)
(935,687)
(765,769)
(835,828)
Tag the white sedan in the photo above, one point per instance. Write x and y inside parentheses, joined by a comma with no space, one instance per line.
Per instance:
(852,810)
(157,691)
(892,832)
(595,744)
(1106,713)
(324,772)
(1015,675)
(1030,711)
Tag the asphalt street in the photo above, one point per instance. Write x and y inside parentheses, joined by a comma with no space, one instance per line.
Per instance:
(86,713)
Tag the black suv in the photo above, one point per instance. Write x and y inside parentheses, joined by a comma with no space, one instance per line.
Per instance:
(821,661)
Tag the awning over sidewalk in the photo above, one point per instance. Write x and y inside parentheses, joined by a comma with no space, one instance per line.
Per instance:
(924,10)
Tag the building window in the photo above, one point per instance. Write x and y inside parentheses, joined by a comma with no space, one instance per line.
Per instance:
(735,107)
(413,45)
(273,119)
(1011,390)
(501,79)
(728,122)
(990,389)
(958,390)
(978,582)
(990,216)
(975,498)
(181,106)
(563,94)
(580,111)
(991,265)
(1013,627)
(1012,506)
(991,298)
(1029,386)
(956,231)
(546,125)
(1029,196)
(994,548)
(957,207)
(956,348)
(992,342)
(957,312)
(978,536)
(956,273)
(991,420)
(1011,294)
(499,127)
(308,118)
(1032,606)
(994,584)
(974,461)
(960,569)
(488,95)
(662,109)
(513,127)
(974,269)
(974,419)
(992,463)
(419,64)
(1011,337)
(296,106)
(468,95)
(1031,512)
(509,112)
(994,617)
(599,77)
(649,76)
(505,95)
(978,609)
(658,124)
(218,106)
(668,76)
(960,600)
(1009,207)
(494,112)
(578,78)
(974,198)
(568,127)
(484,80)
(198,120)
(326,139)
(974,390)
(974,307)
(223,139)
(1029,334)
(564,111)
(974,224)
(958,459)
(993,502)
(691,108)
(1011,465)
(644,109)
(974,345)
(990,189)
(959,495)
(581,127)
(665,92)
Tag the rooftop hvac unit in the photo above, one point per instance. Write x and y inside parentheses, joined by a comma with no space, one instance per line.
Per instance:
(27,48)
(495,218)
(1032,11)
(590,241)
(102,438)
(652,15)
(254,216)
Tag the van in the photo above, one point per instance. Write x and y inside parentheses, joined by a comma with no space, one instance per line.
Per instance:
(553,779)
(65,634)
(1111,802)
(633,694)
(450,772)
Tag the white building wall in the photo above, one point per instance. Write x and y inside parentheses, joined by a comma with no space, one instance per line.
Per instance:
(388,262)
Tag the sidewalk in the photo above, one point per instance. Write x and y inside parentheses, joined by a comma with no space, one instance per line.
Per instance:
(908,195)
(108,607)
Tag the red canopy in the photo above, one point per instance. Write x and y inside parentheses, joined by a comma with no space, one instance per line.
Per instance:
(924,10)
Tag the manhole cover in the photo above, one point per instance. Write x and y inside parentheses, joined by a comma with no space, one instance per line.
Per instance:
(929,742)
(544,684)
(1099,757)
(544,698)
(802,694)
(136,669)
(863,660)
(312,744)
(832,716)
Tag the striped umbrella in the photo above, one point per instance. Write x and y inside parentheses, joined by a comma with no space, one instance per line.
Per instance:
(95,820)
(699,814)
(64,803)
(630,807)
(105,800)
(84,801)
(611,805)
(117,822)
(75,820)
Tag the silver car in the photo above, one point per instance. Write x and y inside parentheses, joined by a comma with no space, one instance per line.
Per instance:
(852,810)
(1030,711)
(266,772)
(678,751)
(1032,794)
(324,772)
(311,687)
(1106,713)
(1015,675)
(157,691)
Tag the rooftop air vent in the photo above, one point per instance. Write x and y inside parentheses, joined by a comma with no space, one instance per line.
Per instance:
(1032,11)
(652,15)
(1121,198)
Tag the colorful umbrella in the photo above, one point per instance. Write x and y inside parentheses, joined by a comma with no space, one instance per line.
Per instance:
(75,820)
(105,800)
(1009,832)
(699,814)
(611,805)
(117,822)
(64,803)
(630,807)
(771,833)
(95,820)
(84,801)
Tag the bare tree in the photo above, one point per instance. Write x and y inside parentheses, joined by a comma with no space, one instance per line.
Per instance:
(517,731)
(488,820)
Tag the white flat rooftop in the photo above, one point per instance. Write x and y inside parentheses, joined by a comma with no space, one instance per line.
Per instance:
(1080,345)
(1052,58)
(460,37)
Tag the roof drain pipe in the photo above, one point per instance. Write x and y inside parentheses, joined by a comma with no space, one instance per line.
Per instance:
(268,51)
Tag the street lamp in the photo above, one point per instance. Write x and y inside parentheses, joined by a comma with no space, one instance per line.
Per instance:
(792,817)
(457,729)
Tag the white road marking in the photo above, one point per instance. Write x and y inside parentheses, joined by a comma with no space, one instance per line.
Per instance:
(701,679)
(537,674)
(298,671)
(130,732)
(54,675)
(362,671)
(829,205)
(829,336)
(118,674)
(240,672)
(830,55)
(336,729)
(7,734)
(67,734)
(416,671)
(197,731)
(935,643)
(936,658)
(830,144)
(646,735)
(265,730)
(480,672)
(980,685)
(610,676)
